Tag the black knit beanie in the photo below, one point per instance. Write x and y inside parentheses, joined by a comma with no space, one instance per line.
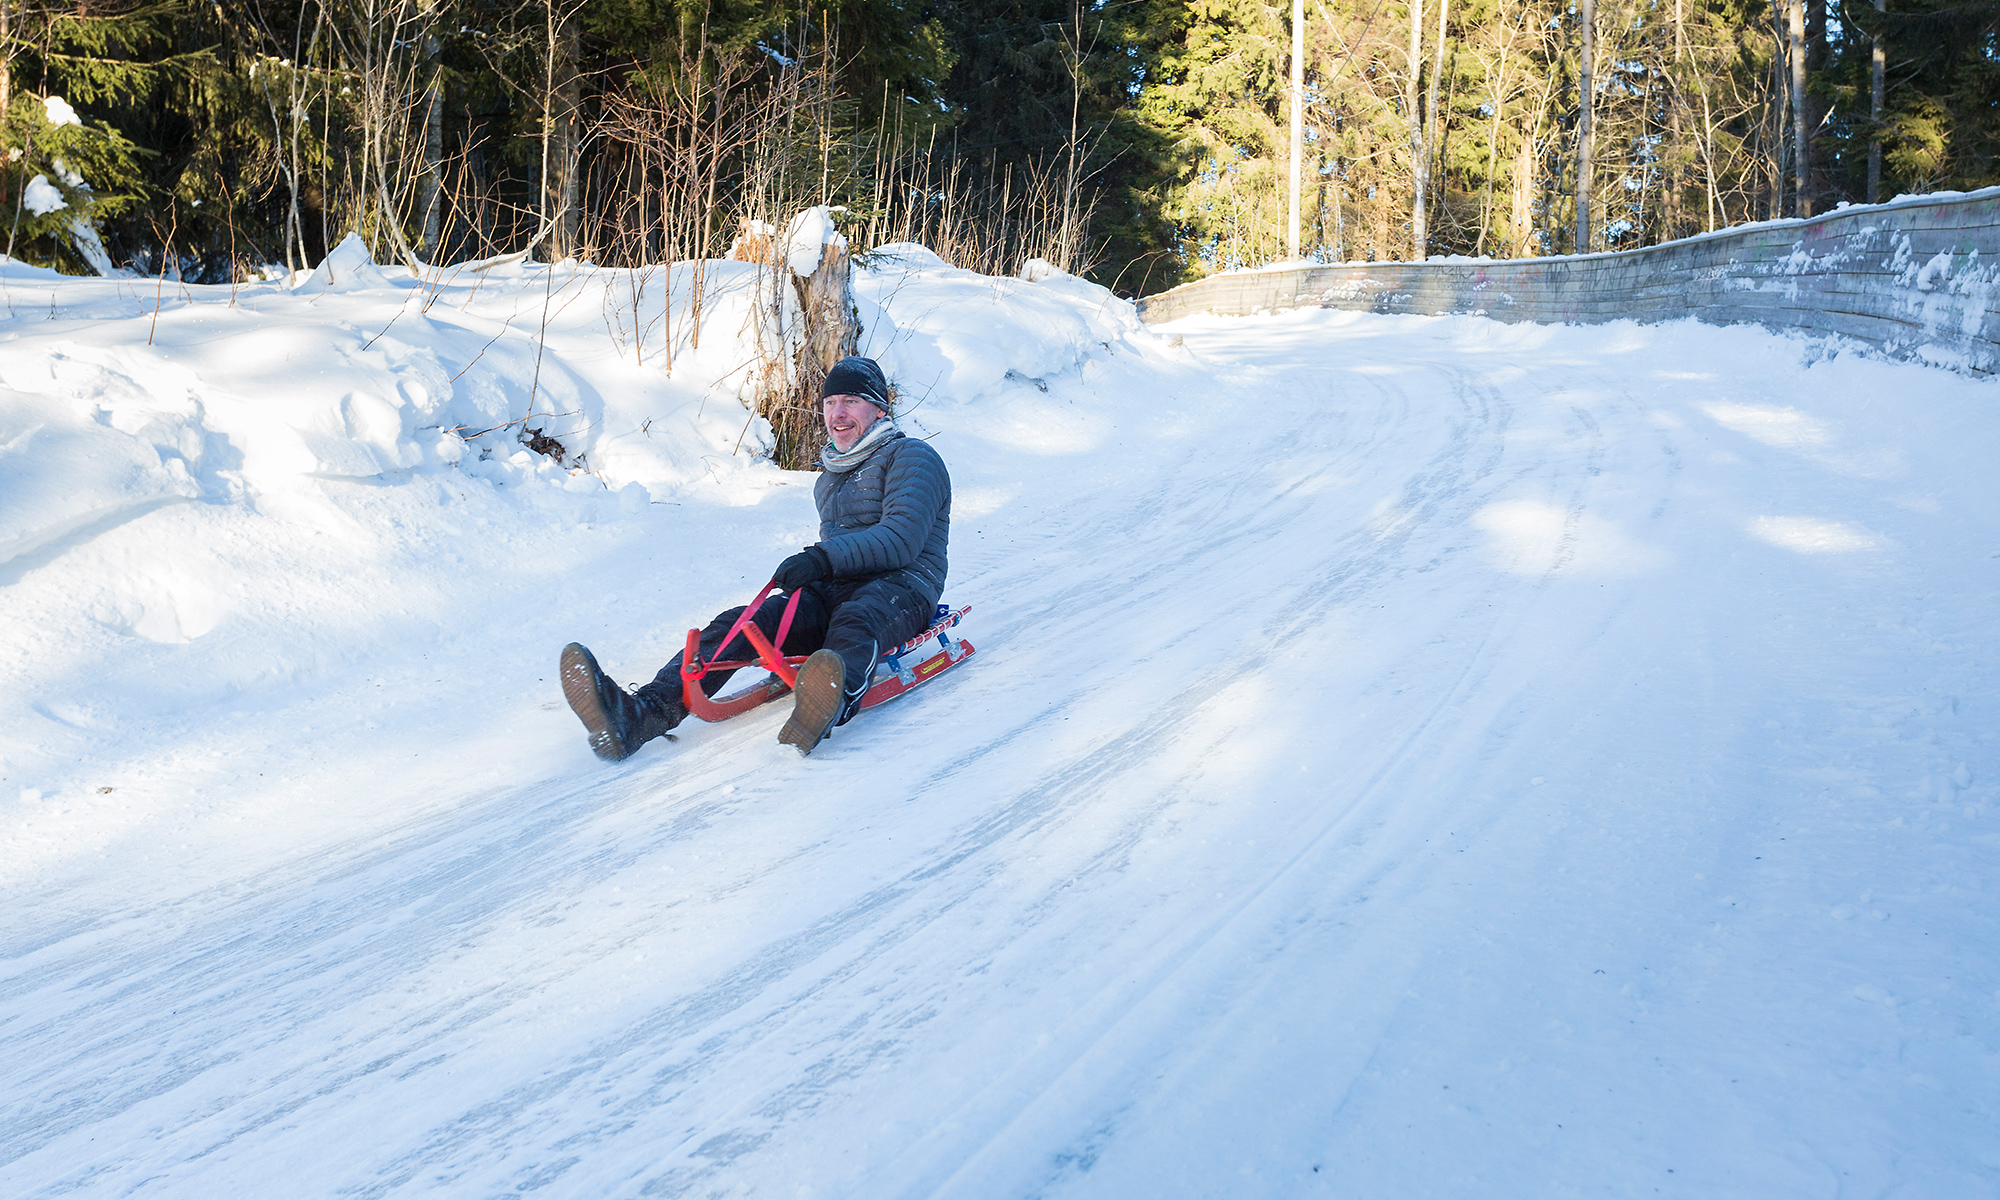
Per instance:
(858,376)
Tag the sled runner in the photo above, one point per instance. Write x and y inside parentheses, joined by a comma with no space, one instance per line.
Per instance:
(897,673)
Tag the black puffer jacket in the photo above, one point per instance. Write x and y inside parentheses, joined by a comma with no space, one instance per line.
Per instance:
(891,515)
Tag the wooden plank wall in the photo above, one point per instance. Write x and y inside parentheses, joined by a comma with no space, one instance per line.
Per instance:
(1916,280)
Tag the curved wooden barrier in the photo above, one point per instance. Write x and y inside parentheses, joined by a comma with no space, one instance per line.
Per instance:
(1916,279)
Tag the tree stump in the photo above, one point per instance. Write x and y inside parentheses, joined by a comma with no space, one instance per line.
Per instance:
(829,329)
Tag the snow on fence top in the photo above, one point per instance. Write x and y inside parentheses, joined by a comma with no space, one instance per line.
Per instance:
(1914,279)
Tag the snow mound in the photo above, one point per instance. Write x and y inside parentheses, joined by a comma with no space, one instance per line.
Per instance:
(610,388)
(349,268)
(78,448)
(943,333)
(587,378)
(907,255)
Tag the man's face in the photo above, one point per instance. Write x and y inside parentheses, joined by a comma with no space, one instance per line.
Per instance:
(847,419)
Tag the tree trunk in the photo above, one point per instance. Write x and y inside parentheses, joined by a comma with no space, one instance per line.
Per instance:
(1433,126)
(287,162)
(559,111)
(1780,109)
(296,94)
(1818,57)
(1586,98)
(1876,62)
(1419,237)
(1713,191)
(1676,193)
(432,185)
(1298,121)
(1378,220)
(569,104)
(390,221)
(1670,200)
(1795,35)
(1339,218)
(1493,138)
(1521,216)
(1070,242)
(832,332)
(6,54)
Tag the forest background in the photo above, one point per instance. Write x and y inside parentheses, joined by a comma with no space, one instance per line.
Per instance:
(1139,142)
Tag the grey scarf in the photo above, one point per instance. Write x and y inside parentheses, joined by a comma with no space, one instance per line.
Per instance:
(840,462)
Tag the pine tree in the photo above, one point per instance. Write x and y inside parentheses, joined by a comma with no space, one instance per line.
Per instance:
(68,172)
(53,208)
(1940,126)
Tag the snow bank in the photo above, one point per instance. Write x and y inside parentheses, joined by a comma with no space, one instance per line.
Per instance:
(132,393)
(1911,281)
(951,335)
(248,476)
(83,445)
(246,394)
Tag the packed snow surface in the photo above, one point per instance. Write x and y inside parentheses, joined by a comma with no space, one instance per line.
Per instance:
(1403,756)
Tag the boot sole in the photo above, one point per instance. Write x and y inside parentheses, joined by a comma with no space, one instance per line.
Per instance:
(580,685)
(817,702)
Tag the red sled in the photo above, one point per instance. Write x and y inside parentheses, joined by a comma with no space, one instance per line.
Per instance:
(895,675)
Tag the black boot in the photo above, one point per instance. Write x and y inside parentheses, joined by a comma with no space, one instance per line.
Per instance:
(619,722)
(819,702)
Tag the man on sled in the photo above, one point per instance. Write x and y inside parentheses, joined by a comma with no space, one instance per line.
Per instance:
(869,584)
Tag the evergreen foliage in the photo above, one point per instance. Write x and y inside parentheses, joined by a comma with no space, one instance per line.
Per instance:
(1139,141)
(1940,128)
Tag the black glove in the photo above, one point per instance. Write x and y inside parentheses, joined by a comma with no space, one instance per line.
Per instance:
(809,565)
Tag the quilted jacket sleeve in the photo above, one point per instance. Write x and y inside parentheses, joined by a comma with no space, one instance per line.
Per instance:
(916,492)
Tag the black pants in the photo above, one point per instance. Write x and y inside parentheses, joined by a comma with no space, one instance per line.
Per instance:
(859,620)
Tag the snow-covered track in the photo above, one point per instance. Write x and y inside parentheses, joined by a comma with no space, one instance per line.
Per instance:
(1404,756)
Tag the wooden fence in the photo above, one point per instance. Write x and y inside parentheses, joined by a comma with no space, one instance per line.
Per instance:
(1918,279)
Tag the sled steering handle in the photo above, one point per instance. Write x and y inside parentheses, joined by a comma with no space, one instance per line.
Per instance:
(693,667)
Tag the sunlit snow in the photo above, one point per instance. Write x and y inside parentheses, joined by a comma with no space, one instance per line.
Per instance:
(1405,756)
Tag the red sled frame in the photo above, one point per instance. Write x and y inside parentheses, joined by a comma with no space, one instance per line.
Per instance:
(784,668)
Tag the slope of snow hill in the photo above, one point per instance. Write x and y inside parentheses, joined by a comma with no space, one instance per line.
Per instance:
(1405,756)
